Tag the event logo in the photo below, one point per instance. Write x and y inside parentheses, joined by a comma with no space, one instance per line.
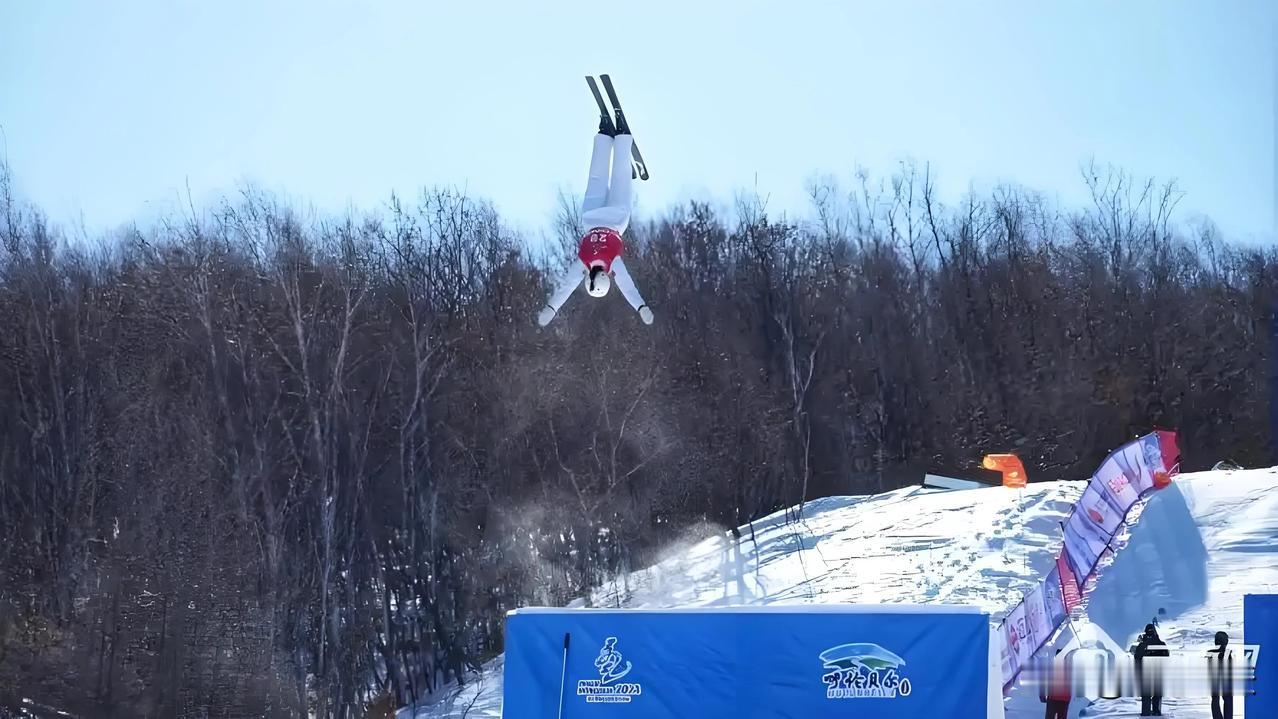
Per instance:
(859,671)
(1016,633)
(1119,483)
(1153,453)
(607,689)
(1097,515)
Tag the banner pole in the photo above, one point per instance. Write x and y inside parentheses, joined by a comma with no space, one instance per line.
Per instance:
(563,675)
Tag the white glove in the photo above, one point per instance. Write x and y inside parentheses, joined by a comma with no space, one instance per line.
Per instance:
(645,314)
(547,314)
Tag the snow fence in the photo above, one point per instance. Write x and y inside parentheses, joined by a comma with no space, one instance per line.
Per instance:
(1125,477)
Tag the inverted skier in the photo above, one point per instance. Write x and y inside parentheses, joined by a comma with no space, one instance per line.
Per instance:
(606,211)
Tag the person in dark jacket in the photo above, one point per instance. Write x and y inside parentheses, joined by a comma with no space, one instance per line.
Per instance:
(1150,676)
(1221,671)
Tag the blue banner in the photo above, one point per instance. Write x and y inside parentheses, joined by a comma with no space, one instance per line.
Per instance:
(1053,599)
(1260,627)
(812,662)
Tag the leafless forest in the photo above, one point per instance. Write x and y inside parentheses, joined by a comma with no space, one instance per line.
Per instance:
(255,462)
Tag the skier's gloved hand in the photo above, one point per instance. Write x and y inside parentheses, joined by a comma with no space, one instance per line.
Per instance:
(645,314)
(547,314)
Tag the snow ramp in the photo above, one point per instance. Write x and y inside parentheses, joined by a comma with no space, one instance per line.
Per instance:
(982,548)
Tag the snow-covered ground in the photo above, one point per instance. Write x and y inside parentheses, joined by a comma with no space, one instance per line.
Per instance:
(1195,550)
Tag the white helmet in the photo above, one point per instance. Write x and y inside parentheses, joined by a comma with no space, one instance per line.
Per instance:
(598,282)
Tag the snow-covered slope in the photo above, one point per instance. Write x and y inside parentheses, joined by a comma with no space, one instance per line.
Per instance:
(1196,549)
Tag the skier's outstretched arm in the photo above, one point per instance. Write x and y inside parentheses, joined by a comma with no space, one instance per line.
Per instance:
(627,286)
(567,283)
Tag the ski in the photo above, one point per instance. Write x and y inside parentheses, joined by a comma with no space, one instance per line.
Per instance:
(621,122)
(638,168)
(605,115)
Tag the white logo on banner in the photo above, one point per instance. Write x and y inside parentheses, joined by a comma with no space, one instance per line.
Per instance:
(859,671)
(607,689)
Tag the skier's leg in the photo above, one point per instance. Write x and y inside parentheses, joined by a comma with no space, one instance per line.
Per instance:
(628,290)
(620,190)
(597,181)
(567,283)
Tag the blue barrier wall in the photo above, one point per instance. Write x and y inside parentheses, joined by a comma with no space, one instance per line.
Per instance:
(1260,626)
(811,662)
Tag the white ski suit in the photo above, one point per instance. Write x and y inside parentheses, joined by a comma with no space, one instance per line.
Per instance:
(606,207)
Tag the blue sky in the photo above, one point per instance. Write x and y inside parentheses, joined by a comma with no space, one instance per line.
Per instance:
(110,109)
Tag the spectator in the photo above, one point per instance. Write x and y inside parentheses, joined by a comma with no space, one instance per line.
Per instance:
(1150,676)
(1058,692)
(1221,671)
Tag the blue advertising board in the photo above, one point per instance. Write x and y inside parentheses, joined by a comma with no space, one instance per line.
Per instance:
(901,662)
(1260,627)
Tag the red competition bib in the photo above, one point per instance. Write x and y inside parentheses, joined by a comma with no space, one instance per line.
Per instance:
(600,247)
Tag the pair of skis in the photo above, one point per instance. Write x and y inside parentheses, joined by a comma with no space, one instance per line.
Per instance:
(638,168)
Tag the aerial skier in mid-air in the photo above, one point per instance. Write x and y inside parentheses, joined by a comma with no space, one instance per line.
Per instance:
(606,212)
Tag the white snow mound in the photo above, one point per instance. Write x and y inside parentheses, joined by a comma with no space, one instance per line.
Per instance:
(1198,546)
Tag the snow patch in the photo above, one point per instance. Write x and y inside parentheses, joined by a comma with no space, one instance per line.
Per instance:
(1197,547)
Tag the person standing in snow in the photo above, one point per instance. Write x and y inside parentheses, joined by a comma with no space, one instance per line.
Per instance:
(1150,676)
(1058,690)
(606,211)
(1221,668)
